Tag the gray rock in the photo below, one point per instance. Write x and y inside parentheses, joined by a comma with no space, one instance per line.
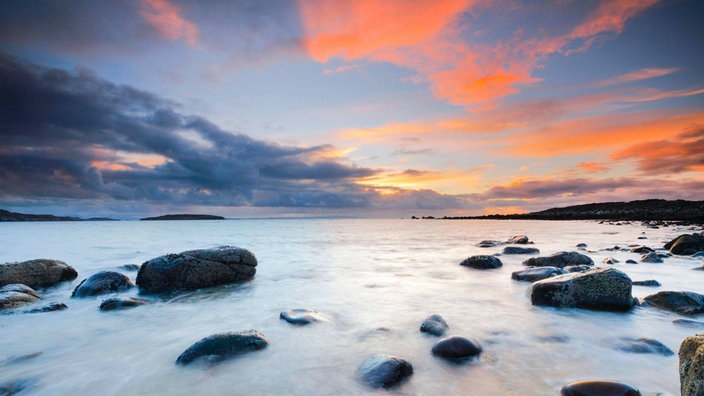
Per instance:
(482,262)
(456,348)
(643,345)
(649,282)
(686,244)
(630,261)
(681,302)
(221,346)
(560,260)
(196,269)
(112,304)
(609,260)
(17,295)
(302,316)
(642,249)
(536,274)
(384,371)
(519,239)
(577,268)
(16,386)
(129,267)
(435,325)
(651,257)
(688,323)
(581,246)
(598,388)
(520,250)
(36,273)
(53,307)
(691,356)
(604,289)
(489,243)
(101,283)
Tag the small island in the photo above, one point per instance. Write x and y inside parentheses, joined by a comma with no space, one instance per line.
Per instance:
(185,217)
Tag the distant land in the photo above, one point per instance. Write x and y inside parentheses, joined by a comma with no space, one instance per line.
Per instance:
(12,216)
(185,217)
(644,210)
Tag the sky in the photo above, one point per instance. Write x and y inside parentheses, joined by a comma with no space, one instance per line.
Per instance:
(371,108)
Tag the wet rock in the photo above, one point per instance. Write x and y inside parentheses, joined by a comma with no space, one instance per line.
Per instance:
(489,243)
(302,316)
(520,250)
(577,268)
(604,289)
(221,346)
(101,283)
(642,250)
(129,267)
(581,246)
(435,325)
(49,308)
(630,261)
(196,269)
(16,386)
(609,260)
(643,345)
(536,274)
(112,304)
(560,260)
(681,302)
(36,273)
(686,244)
(651,257)
(482,262)
(691,356)
(384,371)
(456,348)
(16,295)
(518,239)
(642,237)
(598,388)
(688,323)
(649,282)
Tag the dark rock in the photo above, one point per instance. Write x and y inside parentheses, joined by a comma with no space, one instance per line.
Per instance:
(560,260)
(129,267)
(520,250)
(651,257)
(681,302)
(518,239)
(121,303)
(221,346)
(630,261)
(302,316)
(384,371)
(686,244)
(101,283)
(642,249)
(17,295)
(577,268)
(185,217)
(609,260)
(691,356)
(36,273)
(489,243)
(456,348)
(435,325)
(642,237)
(17,386)
(49,308)
(643,345)
(482,262)
(581,246)
(688,323)
(649,282)
(604,289)
(536,274)
(196,269)
(598,388)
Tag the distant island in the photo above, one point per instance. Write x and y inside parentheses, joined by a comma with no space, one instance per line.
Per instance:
(185,217)
(644,210)
(13,216)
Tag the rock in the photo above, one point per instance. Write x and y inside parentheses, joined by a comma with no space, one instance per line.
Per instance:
(489,243)
(36,273)
(221,346)
(686,244)
(560,260)
(681,302)
(581,246)
(196,269)
(609,260)
(302,316)
(598,388)
(482,262)
(435,325)
(518,239)
(577,268)
(520,250)
(16,295)
(642,249)
(630,261)
(16,386)
(691,356)
(456,348)
(49,308)
(649,282)
(642,237)
(651,257)
(643,345)
(129,267)
(536,274)
(112,304)
(384,371)
(101,283)
(604,289)
(688,323)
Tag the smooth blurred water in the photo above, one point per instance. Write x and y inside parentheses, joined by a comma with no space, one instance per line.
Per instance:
(376,279)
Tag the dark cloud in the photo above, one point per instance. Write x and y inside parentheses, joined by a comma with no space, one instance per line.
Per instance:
(683,153)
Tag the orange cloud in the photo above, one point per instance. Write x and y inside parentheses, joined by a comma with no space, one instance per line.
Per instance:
(681,153)
(166,18)
(592,167)
(638,75)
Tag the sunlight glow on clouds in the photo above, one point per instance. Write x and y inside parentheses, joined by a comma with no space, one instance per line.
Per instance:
(166,18)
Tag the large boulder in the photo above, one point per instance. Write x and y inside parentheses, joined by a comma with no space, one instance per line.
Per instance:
(16,295)
(686,244)
(692,366)
(384,371)
(482,262)
(681,302)
(36,273)
(604,289)
(560,260)
(456,348)
(536,274)
(520,250)
(101,283)
(435,325)
(196,269)
(221,346)
(598,388)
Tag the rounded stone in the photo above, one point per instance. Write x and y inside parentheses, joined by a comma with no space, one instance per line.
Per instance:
(598,388)
(101,283)
(16,295)
(536,274)
(456,348)
(37,273)
(302,316)
(384,371)
(520,250)
(435,325)
(218,347)
(681,302)
(560,260)
(518,239)
(112,304)
(482,262)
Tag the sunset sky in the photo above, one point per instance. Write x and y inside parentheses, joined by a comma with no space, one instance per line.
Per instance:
(352,108)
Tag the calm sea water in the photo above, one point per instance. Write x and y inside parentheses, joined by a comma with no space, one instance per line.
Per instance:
(376,279)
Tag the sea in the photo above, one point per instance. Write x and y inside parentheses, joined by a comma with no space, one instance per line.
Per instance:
(375,280)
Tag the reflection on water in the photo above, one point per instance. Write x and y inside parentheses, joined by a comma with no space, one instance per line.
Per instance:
(376,279)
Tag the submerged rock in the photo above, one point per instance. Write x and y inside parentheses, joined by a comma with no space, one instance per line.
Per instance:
(435,325)
(49,308)
(605,289)
(489,243)
(651,257)
(456,348)
(16,386)
(631,261)
(681,302)
(384,371)
(482,262)
(649,282)
(36,273)
(642,249)
(643,345)
(101,283)
(302,316)
(688,323)
(686,244)
(577,268)
(196,269)
(598,388)
(520,250)
(609,260)
(112,304)
(519,239)
(221,346)
(691,356)
(129,267)
(536,274)
(17,295)
(560,260)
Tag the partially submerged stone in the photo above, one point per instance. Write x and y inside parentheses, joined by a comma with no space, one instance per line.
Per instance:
(384,371)
(456,348)
(36,273)
(16,295)
(536,274)
(302,316)
(598,388)
(681,302)
(519,239)
(435,325)
(643,345)
(112,304)
(221,346)
(691,357)
(686,244)
(520,250)
(560,260)
(101,283)
(482,262)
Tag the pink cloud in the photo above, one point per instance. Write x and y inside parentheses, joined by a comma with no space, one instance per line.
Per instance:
(166,18)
